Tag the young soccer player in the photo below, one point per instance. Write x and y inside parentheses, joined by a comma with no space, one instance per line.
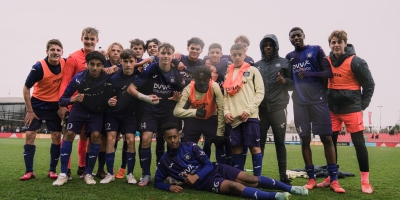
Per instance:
(163,85)
(121,116)
(87,107)
(244,91)
(199,104)
(350,90)
(186,162)
(275,72)
(311,112)
(45,78)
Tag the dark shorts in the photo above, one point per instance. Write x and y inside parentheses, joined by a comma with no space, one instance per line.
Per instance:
(124,125)
(219,174)
(246,134)
(195,127)
(315,117)
(151,123)
(93,122)
(53,121)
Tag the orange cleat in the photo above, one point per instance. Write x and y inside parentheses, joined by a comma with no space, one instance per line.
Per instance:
(336,187)
(310,184)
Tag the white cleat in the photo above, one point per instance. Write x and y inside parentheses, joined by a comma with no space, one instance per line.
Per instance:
(109,177)
(131,179)
(89,179)
(61,179)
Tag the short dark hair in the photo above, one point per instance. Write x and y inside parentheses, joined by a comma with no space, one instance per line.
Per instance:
(237,46)
(243,38)
(340,34)
(214,46)
(166,46)
(137,42)
(168,126)
(128,54)
(95,55)
(155,40)
(53,41)
(195,40)
(296,29)
(201,69)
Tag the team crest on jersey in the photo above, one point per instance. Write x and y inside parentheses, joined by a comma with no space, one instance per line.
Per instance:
(309,55)
(172,79)
(187,156)
(278,65)
(246,73)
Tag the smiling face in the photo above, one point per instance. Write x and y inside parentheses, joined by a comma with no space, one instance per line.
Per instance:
(337,46)
(172,138)
(54,54)
(89,42)
(297,38)
(194,51)
(152,49)
(165,56)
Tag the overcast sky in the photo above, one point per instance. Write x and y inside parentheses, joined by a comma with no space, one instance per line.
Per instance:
(372,26)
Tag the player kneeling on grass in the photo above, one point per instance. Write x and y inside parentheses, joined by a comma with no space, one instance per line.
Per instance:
(87,107)
(121,116)
(187,162)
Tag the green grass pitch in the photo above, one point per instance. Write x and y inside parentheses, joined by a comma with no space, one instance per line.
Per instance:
(384,169)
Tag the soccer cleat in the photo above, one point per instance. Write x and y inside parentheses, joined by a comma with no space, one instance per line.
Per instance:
(299,190)
(101,174)
(69,174)
(145,180)
(336,187)
(52,175)
(81,170)
(28,176)
(131,179)
(109,177)
(89,179)
(120,173)
(325,183)
(282,195)
(62,178)
(366,187)
(310,184)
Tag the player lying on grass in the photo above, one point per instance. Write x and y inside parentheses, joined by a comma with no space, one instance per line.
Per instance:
(188,163)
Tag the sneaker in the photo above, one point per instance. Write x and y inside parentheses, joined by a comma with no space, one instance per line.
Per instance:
(62,178)
(145,180)
(120,173)
(52,175)
(285,180)
(69,175)
(325,183)
(301,190)
(336,187)
(101,174)
(81,170)
(89,179)
(109,177)
(28,176)
(366,187)
(131,179)
(282,195)
(310,184)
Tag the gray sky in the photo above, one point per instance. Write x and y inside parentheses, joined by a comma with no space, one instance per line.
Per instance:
(26,26)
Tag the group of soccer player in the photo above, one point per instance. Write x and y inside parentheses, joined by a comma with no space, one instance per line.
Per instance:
(229,100)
